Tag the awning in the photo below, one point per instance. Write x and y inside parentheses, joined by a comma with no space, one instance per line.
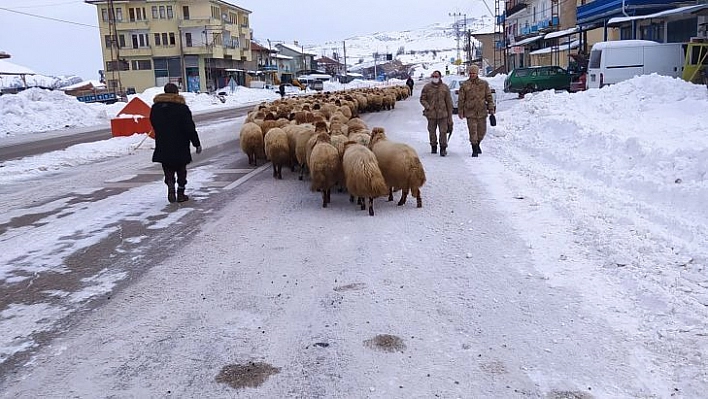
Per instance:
(561,33)
(662,14)
(562,47)
(526,41)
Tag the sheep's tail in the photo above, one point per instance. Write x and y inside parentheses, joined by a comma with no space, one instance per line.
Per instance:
(416,175)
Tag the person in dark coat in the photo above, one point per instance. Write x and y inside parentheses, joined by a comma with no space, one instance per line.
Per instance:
(281,89)
(174,130)
(410,83)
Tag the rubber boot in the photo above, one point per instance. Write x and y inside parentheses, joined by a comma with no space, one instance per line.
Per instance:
(181,197)
(479,149)
(443,151)
(433,149)
(171,196)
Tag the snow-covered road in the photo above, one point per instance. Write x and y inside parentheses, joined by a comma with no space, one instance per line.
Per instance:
(503,285)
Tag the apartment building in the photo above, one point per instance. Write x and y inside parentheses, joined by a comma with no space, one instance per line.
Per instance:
(197,44)
(553,32)
(664,21)
(527,22)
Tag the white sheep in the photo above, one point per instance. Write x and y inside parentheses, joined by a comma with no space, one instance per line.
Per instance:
(362,175)
(277,150)
(251,140)
(325,167)
(400,166)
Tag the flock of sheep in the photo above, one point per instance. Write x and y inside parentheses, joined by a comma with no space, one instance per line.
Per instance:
(323,135)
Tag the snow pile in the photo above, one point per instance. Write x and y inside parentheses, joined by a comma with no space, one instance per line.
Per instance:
(38,110)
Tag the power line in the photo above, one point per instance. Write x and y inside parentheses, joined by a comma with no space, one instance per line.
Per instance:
(49,18)
(48,5)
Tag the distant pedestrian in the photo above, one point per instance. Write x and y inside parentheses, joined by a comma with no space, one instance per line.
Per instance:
(475,102)
(437,108)
(281,90)
(174,130)
(409,83)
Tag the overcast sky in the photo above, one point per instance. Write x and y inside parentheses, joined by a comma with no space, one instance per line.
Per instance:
(61,37)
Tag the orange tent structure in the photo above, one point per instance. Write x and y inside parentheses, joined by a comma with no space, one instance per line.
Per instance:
(133,118)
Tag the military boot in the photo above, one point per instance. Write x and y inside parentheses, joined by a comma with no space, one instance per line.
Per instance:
(181,197)
(433,149)
(475,150)
(443,151)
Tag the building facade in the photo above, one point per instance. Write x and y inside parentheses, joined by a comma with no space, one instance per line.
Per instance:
(554,32)
(197,44)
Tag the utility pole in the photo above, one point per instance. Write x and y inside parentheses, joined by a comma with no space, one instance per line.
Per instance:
(344,45)
(456,24)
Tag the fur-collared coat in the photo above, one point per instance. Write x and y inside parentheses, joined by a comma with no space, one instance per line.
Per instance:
(174,130)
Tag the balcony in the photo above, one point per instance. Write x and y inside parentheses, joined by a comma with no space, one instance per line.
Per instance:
(136,52)
(212,23)
(514,6)
(133,25)
(207,51)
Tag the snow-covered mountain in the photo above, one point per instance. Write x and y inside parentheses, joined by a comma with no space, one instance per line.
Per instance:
(431,43)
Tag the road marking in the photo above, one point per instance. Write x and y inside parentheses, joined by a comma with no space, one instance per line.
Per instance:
(247,177)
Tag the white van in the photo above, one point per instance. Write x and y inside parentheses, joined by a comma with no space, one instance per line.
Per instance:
(615,61)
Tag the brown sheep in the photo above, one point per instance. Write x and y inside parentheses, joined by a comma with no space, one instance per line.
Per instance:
(325,167)
(277,150)
(251,140)
(362,175)
(400,166)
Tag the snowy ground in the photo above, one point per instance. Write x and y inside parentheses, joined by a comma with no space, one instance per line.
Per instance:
(568,259)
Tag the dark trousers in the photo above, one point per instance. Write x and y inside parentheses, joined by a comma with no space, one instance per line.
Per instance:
(179,170)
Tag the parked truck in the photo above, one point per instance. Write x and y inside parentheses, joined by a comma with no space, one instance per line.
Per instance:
(614,61)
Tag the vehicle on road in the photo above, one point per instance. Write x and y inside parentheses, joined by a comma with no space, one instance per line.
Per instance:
(615,61)
(538,78)
(453,82)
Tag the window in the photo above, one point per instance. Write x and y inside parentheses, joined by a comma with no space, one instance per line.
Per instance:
(157,39)
(172,39)
(104,14)
(215,13)
(164,39)
(136,14)
(155,15)
(185,12)
(109,41)
(244,21)
(140,40)
(119,14)
(141,65)
(162,12)
(121,65)
(188,39)
(170,14)
(233,18)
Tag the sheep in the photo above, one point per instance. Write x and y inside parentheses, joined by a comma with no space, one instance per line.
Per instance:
(362,175)
(251,140)
(400,166)
(325,167)
(293,132)
(301,149)
(277,150)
